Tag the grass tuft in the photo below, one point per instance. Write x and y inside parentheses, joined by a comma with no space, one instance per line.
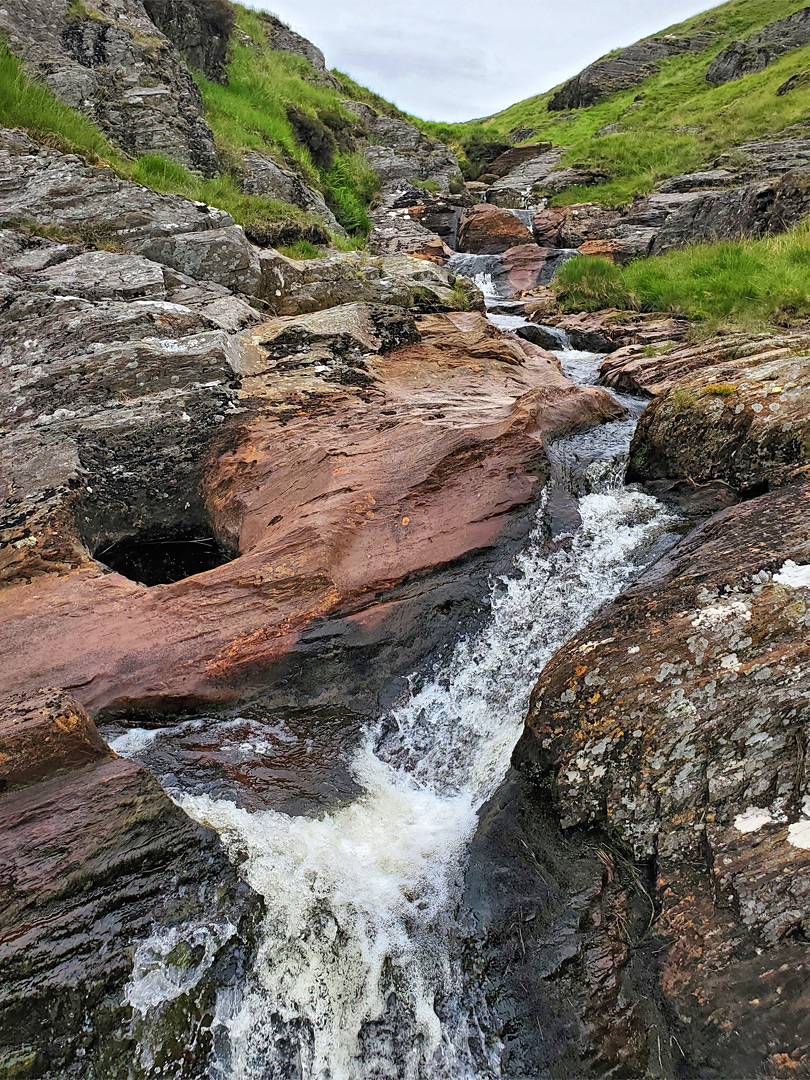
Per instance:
(745,283)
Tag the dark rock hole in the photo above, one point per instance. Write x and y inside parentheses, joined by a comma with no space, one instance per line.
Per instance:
(162,559)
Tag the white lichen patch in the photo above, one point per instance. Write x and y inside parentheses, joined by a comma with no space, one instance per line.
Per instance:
(799,833)
(717,614)
(793,575)
(752,819)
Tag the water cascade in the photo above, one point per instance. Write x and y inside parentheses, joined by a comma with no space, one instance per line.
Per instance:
(356,975)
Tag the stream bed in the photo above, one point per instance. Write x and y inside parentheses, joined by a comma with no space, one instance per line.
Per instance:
(356,834)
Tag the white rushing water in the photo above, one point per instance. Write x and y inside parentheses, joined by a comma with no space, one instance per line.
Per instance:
(355,968)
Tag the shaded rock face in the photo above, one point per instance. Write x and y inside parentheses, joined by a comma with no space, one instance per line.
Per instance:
(678,720)
(120,69)
(102,875)
(759,50)
(628,68)
(199,29)
(610,330)
(548,918)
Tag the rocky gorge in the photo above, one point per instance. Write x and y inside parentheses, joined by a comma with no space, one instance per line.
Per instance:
(402,675)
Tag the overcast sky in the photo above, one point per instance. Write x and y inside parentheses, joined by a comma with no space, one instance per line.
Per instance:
(461,59)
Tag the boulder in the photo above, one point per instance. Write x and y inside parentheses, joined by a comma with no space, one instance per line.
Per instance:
(572,226)
(676,722)
(515,188)
(224,256)
(291,287)
(398,151)
(263,176)
(743,420)
(760,49)
(488,230)
(102,876)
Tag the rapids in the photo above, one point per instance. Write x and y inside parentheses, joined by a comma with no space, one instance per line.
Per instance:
(358,973)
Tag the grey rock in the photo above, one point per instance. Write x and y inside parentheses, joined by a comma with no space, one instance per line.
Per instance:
(224,256)
(292,288)
(397,150)
(106,275)
(119,69)
(629,67)
(514,188)
(263,176)
(760,49)
(47,188)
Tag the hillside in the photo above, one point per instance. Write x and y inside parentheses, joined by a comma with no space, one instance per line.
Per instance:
(670,122)
(213,101)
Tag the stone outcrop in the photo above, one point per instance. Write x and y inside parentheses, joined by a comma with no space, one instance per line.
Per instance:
(282,38)
(627,68)
(743,420)
(611,330)
(487,230)
(102,876)
(261,175)
(398,151)
(110,61)
(514,187)
(325,456)
(199,29)
(760,49)
(677,720)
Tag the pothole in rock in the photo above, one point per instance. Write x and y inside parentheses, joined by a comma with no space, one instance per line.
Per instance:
(162,559)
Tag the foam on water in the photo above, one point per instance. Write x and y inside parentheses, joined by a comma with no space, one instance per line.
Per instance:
(357,935)
(356,976)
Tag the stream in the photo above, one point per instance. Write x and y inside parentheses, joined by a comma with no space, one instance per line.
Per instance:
(358,972)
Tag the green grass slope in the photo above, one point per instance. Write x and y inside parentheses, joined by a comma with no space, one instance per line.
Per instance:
(273,103)
(681,122)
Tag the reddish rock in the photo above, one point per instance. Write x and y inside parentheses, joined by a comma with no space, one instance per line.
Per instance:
(96,858)
(488,230)
(351,488)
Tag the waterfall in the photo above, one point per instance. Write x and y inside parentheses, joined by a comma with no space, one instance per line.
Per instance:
(356,976)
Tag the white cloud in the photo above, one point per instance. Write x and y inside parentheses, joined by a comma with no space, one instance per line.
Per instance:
(467,58)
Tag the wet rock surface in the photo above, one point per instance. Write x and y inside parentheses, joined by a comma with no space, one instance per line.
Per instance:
(102,875)
(677,720)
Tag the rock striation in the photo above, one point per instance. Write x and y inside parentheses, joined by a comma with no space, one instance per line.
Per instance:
(760,49)
(110,61)
(677,720)
(627,68)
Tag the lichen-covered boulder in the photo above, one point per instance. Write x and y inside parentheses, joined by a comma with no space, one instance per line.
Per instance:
(677,721)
